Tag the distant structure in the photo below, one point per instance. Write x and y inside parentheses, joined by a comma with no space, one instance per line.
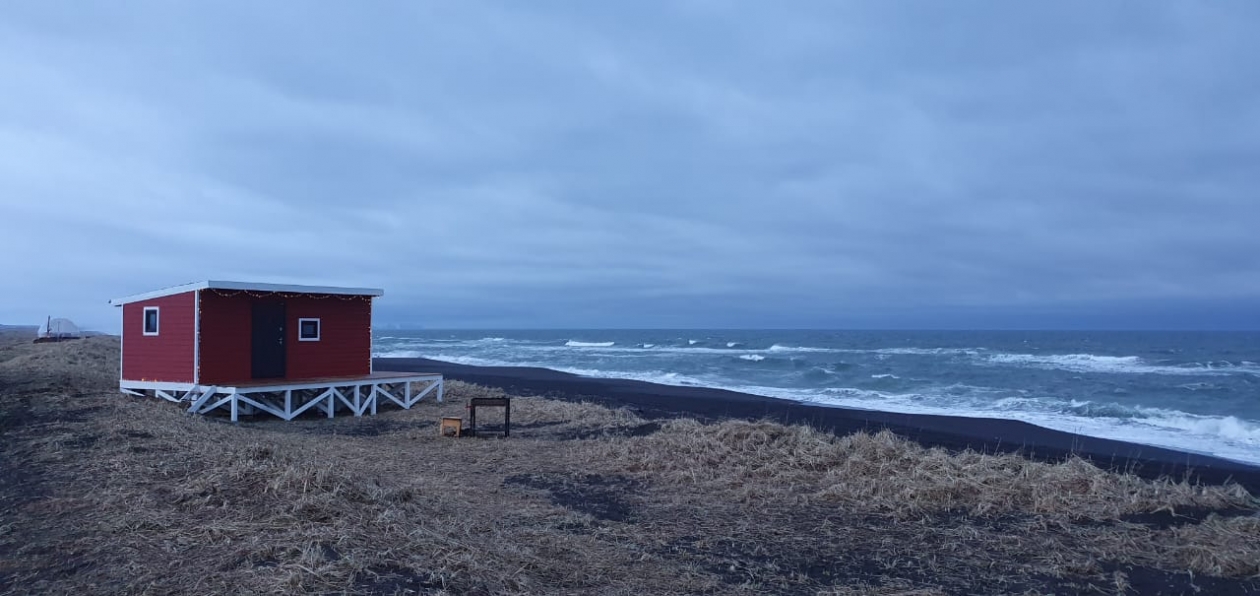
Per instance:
(255,347)
(57,330)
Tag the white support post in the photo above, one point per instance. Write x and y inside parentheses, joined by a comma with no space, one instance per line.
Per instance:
(441,385)
(236,405)
(261,406)
(345,400)
(217,404)
(288,404)
(373,398)
(358,402)
(407,392)
(381,390)
(420,396)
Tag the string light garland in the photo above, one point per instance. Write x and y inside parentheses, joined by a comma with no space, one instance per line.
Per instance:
(288,295)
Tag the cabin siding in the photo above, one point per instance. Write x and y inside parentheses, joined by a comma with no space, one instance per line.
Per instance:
(226,322)
(344,348)
(169,355)
(345,344)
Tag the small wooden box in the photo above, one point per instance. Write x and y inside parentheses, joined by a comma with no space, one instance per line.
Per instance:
(451,427)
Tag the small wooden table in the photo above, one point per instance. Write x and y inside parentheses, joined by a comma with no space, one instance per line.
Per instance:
(494,402)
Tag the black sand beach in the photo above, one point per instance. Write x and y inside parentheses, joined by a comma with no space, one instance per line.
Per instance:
(655,401)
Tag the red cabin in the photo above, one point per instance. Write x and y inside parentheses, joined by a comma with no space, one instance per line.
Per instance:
(251,338)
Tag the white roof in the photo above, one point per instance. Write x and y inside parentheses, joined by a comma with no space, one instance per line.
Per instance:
(242,285)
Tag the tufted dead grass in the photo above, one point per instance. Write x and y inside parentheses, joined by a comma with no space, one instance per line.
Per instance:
(758,461)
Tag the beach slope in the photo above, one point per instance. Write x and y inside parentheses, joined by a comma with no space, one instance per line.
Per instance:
(113,494)
(987,435)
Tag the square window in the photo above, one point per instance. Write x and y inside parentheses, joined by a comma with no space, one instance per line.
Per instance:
(151,320)
(308,329)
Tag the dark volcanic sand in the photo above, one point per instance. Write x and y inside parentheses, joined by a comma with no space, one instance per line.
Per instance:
(653,401)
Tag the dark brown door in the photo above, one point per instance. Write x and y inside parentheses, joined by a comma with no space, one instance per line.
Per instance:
(268,339)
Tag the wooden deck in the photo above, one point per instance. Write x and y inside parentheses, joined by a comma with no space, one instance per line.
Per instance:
(377,376)
(288,398)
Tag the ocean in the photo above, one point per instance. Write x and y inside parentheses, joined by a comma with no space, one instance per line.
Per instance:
(1195,391)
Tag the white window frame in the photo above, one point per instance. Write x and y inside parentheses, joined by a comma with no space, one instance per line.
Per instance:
(319,329)
(144,320)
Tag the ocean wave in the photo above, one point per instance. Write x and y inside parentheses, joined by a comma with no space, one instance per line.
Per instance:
(1197,386)
(651,376)
(692,342)
(927,351)
(659,377)
(1094,363)
(397,354)
(885,376)
(474,360)
(783,348)
(1226,427)
(752,357)
(731,344)
(590,344)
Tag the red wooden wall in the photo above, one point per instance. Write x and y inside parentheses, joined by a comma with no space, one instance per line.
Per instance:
(167,356)
(345,345)
(344,348)
(225,338)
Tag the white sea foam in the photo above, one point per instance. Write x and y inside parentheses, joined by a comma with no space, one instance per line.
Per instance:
(692,342)
(397,354)
(649,345)
(651,376)
(885,376)
(589,344)
(1226,427)
(783,348)
(1094,363)
(659,377)
(1222,436)
(731,344)
(926,351)
(752,357)
(475,361)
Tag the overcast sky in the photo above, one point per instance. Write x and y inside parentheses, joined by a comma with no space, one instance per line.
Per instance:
(642,164)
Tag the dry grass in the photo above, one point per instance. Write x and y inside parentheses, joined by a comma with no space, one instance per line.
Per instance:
(763,461)
(103,493)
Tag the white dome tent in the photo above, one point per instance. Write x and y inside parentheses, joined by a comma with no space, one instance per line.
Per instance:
(58,330)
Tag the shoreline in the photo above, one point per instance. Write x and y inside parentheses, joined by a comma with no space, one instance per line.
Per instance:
(953,433)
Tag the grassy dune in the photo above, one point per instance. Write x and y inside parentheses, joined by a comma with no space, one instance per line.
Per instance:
(101,493)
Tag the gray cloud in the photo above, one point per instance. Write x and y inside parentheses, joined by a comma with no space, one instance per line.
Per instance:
(667,164)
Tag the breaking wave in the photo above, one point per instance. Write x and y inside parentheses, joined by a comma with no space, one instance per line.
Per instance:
(590,344)
(1094,363)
